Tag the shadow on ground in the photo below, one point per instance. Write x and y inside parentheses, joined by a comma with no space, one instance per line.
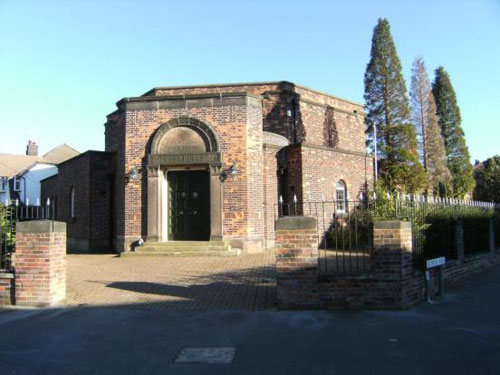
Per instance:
(242,289)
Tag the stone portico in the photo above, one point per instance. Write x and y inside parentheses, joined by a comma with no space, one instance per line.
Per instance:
(175,138)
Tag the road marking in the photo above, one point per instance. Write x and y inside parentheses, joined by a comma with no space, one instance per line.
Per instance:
(206,355)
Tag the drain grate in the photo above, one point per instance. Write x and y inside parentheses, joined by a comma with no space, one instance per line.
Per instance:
(206,355)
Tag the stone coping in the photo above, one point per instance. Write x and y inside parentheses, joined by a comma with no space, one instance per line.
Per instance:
(40,226)
(6,275)
(218,95)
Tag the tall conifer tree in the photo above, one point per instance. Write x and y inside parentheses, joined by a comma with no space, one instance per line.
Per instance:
(430,141)
(387,110)
(453,135)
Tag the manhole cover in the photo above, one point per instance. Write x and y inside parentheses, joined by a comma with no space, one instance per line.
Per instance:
(206,355)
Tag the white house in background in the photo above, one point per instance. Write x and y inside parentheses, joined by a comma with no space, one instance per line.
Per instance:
(20,175)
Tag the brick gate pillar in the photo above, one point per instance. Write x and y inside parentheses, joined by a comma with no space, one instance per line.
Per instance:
(392,264)
(40,263)
(296,262)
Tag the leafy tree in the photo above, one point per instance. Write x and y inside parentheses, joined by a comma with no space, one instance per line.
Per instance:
(487,175)
(387,110)
(425,119)
(453,135)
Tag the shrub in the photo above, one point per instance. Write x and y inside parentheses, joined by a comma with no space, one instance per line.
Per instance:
(7,236)
(476,231)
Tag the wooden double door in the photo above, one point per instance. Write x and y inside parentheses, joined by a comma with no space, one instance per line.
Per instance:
(188,205)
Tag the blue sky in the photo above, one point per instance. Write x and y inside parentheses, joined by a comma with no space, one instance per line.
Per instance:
(64,64)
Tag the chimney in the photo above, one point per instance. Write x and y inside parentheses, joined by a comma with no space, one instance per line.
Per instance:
(32,149)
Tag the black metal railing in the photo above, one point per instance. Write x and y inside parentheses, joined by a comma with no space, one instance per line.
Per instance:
(9,215)
(345,233)
(434,221)
(345,228)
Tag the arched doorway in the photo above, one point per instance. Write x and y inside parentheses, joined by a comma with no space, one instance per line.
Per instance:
(184,187)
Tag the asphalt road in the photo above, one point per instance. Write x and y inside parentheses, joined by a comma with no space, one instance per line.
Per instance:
(459,334)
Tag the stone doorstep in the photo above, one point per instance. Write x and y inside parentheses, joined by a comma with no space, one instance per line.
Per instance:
(225,253)
(184,248)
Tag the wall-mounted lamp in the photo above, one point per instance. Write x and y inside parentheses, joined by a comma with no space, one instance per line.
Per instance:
(228,172)
(133,175)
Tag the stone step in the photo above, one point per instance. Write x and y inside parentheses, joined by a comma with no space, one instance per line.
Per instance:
(169,249)
(206,253)
(184,248)
(196,244)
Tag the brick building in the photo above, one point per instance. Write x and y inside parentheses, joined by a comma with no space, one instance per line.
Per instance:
(208,163)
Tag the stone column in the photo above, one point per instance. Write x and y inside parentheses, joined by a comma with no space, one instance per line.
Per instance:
(154,209)
(392,265)
(297,262)
(40,263)
(215,204)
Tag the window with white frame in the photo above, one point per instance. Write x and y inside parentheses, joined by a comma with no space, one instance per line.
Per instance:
(72,203)
(17,183)
(4,182)
(341,197)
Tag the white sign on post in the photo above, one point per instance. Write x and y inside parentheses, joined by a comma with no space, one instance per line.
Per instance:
(436,262)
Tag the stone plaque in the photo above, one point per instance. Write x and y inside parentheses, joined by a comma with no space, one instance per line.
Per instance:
(213,158)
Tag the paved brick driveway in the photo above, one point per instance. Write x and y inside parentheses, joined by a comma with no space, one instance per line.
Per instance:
(173,283)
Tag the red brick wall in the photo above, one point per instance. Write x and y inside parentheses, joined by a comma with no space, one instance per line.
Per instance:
(6,289)
(40,263)
(323,168)
(73,173)
(101,187)
(92,175)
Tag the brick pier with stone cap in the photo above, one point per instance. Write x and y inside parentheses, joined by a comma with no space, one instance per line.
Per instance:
(40,274)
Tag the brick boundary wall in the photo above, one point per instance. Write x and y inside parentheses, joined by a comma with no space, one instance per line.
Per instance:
(459,269)
(299,284)
(455,271)
(40,263)
(393,282)
(6,288)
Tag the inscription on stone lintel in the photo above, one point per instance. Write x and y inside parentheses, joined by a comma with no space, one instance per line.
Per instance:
(179,159)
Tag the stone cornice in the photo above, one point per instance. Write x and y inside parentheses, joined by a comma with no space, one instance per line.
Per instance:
(188,101)
(337,150)
(318,104)
(216,85)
